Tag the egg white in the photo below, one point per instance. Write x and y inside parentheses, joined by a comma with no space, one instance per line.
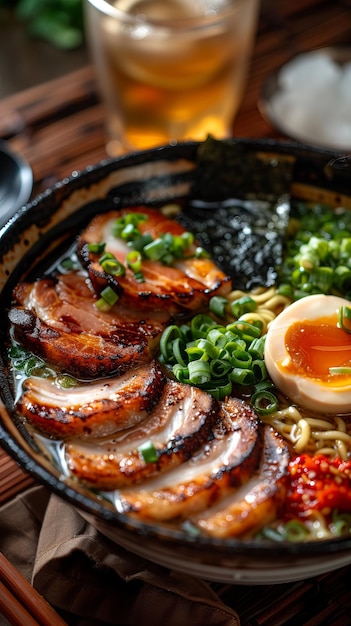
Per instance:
(305,390)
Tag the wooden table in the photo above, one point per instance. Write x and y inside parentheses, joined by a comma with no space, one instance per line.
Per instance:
(59,127)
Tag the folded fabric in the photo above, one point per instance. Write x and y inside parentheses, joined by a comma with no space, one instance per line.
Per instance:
(92,581)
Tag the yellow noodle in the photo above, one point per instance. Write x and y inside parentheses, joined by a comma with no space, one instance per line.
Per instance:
(341,424)
(258,316)
(290,412)
(277,302)
(301,432)
(259,295)
(342,449)
(332,435)
(325,451)
(320,423)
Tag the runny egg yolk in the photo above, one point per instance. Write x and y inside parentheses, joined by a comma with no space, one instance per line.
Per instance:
(304,348)
(316,346)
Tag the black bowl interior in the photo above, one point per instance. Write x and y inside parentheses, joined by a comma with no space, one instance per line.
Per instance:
(16,181)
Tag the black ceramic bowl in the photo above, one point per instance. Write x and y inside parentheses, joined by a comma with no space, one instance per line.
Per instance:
(253,167)
(16,181)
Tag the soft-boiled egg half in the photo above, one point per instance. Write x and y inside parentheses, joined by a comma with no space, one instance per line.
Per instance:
(308,353)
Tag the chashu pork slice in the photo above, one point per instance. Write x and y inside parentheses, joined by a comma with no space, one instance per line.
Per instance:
(181,422)
(58,320)
(186,284)
(92,409)
(258,502)
(220,466)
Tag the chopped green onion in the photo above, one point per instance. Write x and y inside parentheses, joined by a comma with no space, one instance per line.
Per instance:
(195,353)
(218,305)
(167,338)
(339,370)
(217,336)
(108,298)
(208,348)
(187,240)
(148,452)
(259,369)
(140,242)
(295,531)
(127,225)
(256,348)
(220,368)
(139,277)
(343,278)
(344,318)
(97,248)
(69,264)
(264,402)
(245,330)
(179,351)
(66,381)
(33,365)
(264,385)
(199,372)
(181,373)
(242,376)
(212,356)
(219,389)
(113,266)
(200,325)
(133,260)
(155,250)
(201,253)
(243,305)
(240,358)
(323,278)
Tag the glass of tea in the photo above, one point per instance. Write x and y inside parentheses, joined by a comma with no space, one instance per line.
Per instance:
(169,70)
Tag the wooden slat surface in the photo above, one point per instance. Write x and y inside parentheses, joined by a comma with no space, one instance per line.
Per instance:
(59,128)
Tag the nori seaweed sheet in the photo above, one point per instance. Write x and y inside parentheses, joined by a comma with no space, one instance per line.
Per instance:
(239,209)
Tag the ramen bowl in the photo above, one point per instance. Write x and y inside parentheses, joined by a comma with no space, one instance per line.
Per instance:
(200,176)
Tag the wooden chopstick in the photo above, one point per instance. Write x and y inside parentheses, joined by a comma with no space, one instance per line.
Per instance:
(20,603)
(13,610)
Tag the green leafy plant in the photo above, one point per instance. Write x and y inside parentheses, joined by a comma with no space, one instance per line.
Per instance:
(60,22)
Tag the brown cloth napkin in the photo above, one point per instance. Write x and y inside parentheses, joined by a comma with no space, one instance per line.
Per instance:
(92,581)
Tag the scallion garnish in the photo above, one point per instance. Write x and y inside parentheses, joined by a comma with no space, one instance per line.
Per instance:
(264,402)
(108,297)
(133,260)
(243,305)
(114,267)
(148,452)
(217,306)
(97,248)
(340,371)
(344,318)
(66,381)
(215,357)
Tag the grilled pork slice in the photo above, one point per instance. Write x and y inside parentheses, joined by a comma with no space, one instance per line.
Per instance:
(58,320)
(186,284)
(256,503)
(181,422)
(220,466)
(96,409)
